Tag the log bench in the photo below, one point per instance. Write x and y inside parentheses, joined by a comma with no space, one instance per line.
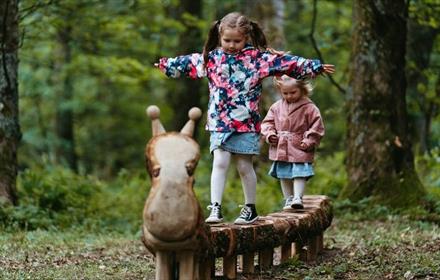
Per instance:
(297,232)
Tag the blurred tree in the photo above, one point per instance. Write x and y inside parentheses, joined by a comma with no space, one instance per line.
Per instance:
(187,93)
(380,162)
(65,150)
(9,124)
(423,96)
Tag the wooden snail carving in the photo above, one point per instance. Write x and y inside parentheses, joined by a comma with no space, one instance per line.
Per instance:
(172,217)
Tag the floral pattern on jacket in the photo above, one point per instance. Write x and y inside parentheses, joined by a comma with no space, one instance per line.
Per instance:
(235,82)
(294,124)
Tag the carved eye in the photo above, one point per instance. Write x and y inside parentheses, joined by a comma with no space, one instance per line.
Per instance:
(155,172)
(190,168)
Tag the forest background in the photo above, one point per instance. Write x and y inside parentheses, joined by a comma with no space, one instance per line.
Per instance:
(86,76)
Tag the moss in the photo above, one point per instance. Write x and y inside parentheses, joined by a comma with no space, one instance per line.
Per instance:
(398,191)
(402,191)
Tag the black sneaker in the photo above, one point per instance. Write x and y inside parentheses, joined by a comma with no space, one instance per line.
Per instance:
(216,213)
(248,215)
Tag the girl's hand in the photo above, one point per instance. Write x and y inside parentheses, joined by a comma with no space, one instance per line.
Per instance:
(328,69)
(273,139)
(156,64)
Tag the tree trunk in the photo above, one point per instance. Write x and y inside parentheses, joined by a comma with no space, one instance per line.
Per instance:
(380,162)
(9,124)
(188,92)
(65,151)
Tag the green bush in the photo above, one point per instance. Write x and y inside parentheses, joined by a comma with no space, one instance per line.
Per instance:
(59,198)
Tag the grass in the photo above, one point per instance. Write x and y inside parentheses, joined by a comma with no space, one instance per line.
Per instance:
(388,247)
(73,255)
(393,248)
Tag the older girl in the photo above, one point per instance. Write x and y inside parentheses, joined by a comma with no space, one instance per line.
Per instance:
(293,128)
(235,60)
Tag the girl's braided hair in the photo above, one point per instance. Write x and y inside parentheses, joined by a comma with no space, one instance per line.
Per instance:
(248,28)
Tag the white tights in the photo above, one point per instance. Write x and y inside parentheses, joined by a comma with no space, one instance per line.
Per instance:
(298,187)
(245,168)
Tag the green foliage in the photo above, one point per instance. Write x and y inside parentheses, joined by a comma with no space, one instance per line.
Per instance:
(58,198)
(425,165)
(330,175)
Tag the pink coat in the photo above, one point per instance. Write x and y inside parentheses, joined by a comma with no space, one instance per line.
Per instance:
(293,123)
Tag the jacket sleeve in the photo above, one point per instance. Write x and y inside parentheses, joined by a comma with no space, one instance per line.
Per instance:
(313,135)
(189,65)
(291,65)
(268,125)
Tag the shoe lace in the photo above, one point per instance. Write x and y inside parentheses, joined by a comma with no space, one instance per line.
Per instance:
(215,210)
(245,212)
(289,200)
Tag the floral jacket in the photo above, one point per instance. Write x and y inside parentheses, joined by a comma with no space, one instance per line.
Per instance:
(235,82)
(293,123)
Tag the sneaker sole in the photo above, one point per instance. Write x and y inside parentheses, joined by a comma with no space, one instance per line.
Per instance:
(244,222)
(213,221)
(297,206)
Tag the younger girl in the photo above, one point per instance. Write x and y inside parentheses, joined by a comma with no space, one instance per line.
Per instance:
(235,61)
(293,127)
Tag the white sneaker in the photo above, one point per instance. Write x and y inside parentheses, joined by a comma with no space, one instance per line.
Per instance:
(216,214)
(288,204)
(297,203)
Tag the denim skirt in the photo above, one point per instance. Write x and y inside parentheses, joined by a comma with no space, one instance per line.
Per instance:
(291,170)
(235,142)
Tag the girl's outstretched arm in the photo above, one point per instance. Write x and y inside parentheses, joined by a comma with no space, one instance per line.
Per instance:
(189,65)
(291,65)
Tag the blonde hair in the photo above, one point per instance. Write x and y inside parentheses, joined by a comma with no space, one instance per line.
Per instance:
(286,83)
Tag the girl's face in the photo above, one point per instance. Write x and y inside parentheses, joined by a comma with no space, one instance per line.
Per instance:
(232,40)
(292,95)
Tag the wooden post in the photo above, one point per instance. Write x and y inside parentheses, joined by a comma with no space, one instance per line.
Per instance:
(247,263)
(286,252)
(312,249)
(321,242)
(265,258)
(163,266)
(186,265)
(230,267)
(207,268)
(300,251)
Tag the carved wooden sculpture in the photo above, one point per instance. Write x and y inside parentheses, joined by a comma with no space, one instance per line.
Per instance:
(173,228)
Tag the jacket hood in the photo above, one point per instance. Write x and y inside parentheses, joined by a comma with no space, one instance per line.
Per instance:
(292,107)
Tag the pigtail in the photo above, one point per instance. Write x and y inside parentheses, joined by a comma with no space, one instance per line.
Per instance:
(212,40)
(257,36)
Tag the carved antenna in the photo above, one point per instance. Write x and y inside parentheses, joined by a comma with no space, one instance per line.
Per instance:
(153,113)
(193,114)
